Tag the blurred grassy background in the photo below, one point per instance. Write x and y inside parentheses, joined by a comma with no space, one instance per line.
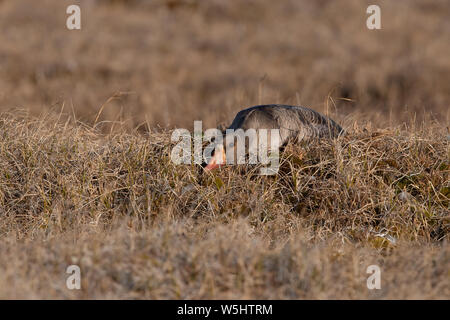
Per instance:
(183,60)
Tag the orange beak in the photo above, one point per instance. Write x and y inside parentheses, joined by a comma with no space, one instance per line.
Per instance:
(217,160)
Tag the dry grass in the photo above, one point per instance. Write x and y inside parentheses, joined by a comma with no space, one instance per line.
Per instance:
(98,189)
(141,227)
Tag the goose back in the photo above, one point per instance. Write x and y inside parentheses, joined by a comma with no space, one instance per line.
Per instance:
(294,122)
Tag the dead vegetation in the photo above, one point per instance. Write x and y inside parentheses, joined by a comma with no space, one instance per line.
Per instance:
(141,227)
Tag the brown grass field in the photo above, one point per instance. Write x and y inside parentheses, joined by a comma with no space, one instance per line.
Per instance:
(85,171)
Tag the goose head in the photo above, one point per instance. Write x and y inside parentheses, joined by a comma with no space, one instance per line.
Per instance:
(218,159)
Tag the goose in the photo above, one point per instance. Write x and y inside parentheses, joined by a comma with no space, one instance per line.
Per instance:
(295,123)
